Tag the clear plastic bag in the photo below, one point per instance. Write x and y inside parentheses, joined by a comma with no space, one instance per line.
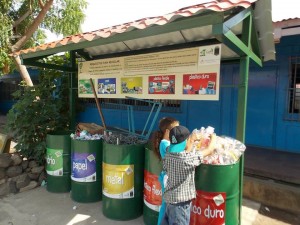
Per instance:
(228,150)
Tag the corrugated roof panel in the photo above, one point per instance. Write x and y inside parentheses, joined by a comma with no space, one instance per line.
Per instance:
(100,46)
(155,41)
(107,49)
(198,33)
(144,23)
(228,53)
(286,28)
(288,19)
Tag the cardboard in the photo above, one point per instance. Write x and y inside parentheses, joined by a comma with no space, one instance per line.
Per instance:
(92,128)
(4,143)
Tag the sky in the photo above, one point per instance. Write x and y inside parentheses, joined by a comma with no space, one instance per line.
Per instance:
(103,13)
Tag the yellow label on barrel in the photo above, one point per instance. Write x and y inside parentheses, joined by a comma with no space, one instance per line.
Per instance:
(118,181)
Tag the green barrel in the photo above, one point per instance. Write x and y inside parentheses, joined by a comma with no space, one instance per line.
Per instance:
(123,181)
(152,188)
(86,170)
(58,161)
(218,194)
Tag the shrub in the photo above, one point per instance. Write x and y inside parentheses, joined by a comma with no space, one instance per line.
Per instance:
(39,110)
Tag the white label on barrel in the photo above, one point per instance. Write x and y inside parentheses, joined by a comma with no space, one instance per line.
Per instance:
(54,162)
(83,167)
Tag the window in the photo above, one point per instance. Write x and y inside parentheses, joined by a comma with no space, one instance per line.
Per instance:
(111,103)
(293,100)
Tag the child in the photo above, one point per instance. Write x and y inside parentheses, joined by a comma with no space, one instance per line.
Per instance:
(180,163)
(160,139)
(161,142)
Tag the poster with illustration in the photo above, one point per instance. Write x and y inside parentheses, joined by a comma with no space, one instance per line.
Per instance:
(107,86)
(84,86)
(161,84)
(199,84)
(132,85)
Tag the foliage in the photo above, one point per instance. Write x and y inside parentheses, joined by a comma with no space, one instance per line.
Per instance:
(64,17)
(38,111)
(5,32)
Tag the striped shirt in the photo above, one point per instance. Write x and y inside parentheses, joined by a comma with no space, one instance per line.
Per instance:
(180,168)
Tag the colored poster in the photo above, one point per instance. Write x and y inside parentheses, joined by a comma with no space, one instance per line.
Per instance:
(118,181)
(84,87)
(54,162)
(132,85)
(164,84)
(83,167)
(199,84)
(107,86)
(208,208)
(152,191)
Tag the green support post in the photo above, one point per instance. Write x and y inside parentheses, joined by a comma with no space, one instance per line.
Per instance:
(72,91)
(241,116)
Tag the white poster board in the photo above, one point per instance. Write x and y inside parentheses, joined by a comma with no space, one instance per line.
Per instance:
(187,74)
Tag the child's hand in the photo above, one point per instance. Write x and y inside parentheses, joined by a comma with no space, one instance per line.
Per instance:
(193,137)
(212,145)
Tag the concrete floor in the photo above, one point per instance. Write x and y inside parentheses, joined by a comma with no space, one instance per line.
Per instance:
(40,207)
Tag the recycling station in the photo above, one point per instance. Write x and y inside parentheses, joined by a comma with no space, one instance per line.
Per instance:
(173,57)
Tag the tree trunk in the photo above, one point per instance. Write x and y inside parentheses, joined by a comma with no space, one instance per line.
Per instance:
(16,47)
(33,27)
(23,70)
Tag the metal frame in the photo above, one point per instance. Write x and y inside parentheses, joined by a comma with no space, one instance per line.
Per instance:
(145,134)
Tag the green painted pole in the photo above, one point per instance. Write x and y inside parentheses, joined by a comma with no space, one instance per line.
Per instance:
(72,92)
(242,98)
(241,116)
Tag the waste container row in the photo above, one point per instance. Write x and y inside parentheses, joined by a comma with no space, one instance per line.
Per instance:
(73,165)
(127,182)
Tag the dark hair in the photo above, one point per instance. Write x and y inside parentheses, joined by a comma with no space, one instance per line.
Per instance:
(164,124)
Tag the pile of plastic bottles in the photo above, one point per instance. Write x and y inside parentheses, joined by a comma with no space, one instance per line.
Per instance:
(85,135)
(228,150)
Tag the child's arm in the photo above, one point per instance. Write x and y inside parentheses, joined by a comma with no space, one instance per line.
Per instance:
(163,147)
(164,143)
(166,134)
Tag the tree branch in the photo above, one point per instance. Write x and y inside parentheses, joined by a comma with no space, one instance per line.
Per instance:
(33,27)
(41,4)
(23,17)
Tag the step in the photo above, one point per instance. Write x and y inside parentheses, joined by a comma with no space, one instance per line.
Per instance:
(269,192)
